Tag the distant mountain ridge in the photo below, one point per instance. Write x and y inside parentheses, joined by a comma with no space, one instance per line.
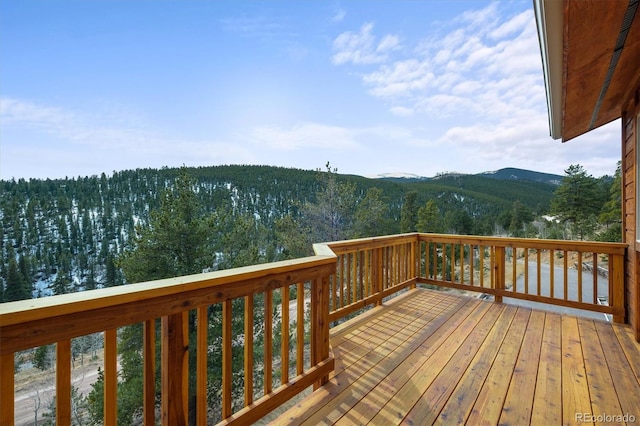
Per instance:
(508,173)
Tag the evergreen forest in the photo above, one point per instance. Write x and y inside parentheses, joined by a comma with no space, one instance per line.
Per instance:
(67,235)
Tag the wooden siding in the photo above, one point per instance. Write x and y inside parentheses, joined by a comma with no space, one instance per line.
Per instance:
(434,357)
(630,210)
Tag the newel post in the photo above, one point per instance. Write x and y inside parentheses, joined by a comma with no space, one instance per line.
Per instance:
(320,324)
(175,369)
(7,389)
(499,271)
(616,286)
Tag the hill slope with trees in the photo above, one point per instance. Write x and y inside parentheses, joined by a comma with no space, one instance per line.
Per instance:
(66,235)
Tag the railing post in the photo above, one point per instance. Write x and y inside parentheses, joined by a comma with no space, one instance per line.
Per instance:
(149,373)
(111,377)
(499,271)
(7,384)
(63,382)
(320,324)
(175,369)
(616,286)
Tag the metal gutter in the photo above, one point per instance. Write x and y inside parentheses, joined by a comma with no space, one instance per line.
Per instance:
(549,22)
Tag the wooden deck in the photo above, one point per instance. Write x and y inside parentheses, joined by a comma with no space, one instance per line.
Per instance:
(437,357)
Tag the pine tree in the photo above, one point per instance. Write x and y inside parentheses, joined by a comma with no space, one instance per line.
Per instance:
(408,214)
(16,285)
(611,214)
(176,242)
(429,219)
(330,217)
(371,216)
(575,202)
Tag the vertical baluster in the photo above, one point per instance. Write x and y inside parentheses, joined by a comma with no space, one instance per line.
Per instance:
(526,271)
(63,382)
(595,278)
(350,286)
(367,274)
(462,263)
(391,267)
(500,272)
(494,266)
(111,377)
(268,342)
(539,276)
(566,275)
(579,267)
(341,280)
(385,268)
(354,277)
(453,262)
(472,261)
(552,271)
(481,253)
(426,260)
(435,260)
(300,329)
(514,268)
(444,262)
(397,268)
(248,350)
(333,283)
(149,372)
(227,358)
(406,261)
(202,343)
(284,348)
(7,391)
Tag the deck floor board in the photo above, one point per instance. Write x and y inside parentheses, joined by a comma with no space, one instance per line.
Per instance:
(431,357)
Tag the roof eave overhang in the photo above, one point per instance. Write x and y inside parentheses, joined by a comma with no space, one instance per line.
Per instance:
(549,21)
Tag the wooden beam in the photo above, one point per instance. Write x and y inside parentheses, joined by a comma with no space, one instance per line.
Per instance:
(175,369)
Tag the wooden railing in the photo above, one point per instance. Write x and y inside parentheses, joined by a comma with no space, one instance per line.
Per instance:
(369,270)
(572,274)
(373,268)
(181,304)
(341,279)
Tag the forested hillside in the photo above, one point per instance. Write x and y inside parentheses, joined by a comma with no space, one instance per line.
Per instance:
(67,235)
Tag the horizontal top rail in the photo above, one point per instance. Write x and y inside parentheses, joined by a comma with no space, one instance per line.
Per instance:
(533,243)
(340,247)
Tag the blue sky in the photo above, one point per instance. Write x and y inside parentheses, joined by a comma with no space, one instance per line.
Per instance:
(373,87)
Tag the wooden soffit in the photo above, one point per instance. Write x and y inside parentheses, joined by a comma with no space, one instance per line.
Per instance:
(600,55)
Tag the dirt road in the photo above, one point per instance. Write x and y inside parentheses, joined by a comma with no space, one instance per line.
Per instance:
(35,389)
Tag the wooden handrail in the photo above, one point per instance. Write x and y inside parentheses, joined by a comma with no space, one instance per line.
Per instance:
(436,248)
(368,270)
(392,263)
(58,319)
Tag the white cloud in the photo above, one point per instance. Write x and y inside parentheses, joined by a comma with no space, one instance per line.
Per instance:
(511,26)
(480,85)
(339,15)
(305,135)
(363,47)
(13,111)
(401,111)
(90,144)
